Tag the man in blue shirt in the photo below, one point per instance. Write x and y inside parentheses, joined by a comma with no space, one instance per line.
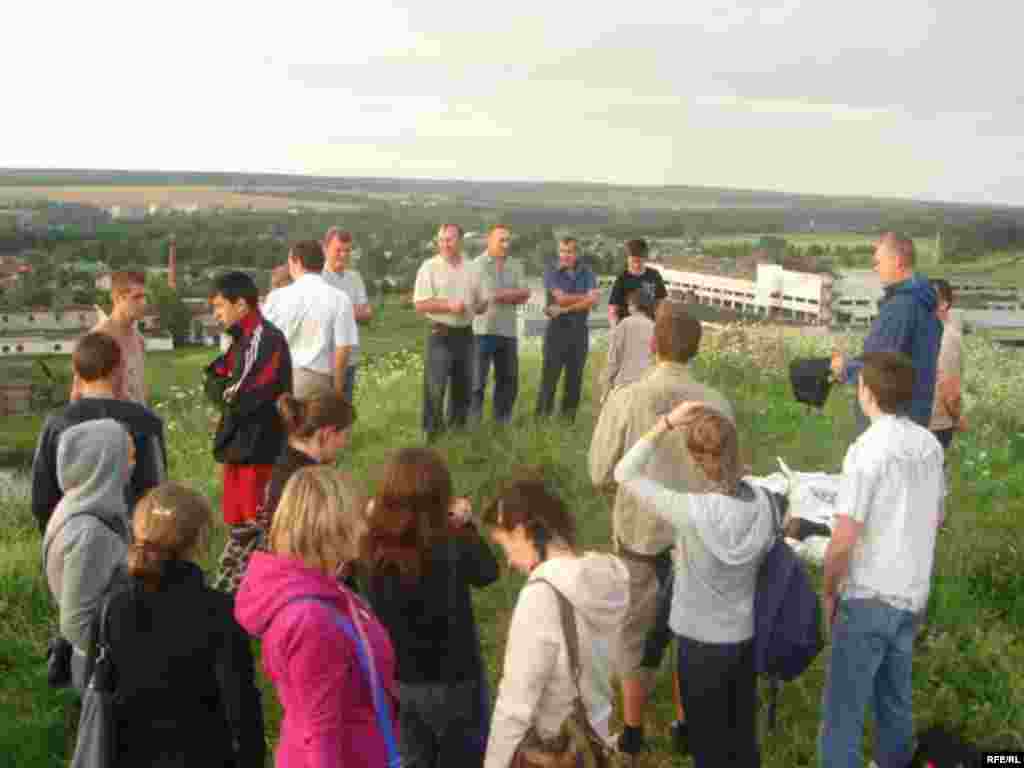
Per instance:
(906,323)
(572,291)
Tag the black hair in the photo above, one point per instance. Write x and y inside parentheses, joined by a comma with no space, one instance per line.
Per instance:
(234,286)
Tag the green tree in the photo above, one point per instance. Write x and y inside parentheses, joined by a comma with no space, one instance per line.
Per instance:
(174,314)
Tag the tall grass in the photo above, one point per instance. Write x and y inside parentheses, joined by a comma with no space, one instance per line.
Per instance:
(968,671)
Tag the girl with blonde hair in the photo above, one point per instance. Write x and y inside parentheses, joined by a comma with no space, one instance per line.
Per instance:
(186,691)
(330,659)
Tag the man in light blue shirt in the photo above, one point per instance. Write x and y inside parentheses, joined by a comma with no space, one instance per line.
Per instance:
(495,331)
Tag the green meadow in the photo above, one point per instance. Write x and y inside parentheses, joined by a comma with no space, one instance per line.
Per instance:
(969,668)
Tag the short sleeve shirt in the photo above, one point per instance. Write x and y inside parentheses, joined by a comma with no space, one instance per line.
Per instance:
(351,284)
(580,280)
(499,319)
(437,279)
(650,282)
(315,318)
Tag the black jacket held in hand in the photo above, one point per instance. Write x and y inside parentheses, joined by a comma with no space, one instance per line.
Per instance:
(186,689)
(145,427)
(244,383)
(431,648)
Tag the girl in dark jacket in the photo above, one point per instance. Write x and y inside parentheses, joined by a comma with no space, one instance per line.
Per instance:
(186,693)
(318,430)
(424,553)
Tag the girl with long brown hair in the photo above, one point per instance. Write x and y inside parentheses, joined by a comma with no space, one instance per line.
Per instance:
(423,554)
(318,429)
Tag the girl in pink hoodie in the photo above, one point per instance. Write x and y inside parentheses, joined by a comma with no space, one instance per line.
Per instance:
(329,658)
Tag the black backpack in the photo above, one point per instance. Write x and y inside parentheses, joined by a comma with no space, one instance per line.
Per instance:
(787,615)
(811,378)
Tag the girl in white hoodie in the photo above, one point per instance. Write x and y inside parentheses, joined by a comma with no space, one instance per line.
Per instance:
(537,534)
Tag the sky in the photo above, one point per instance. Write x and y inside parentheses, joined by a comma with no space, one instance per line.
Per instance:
(901,98)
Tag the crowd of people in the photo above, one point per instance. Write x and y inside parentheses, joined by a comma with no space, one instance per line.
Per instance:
(363,603)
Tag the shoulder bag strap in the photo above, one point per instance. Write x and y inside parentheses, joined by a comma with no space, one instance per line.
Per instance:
(572,639)
(353,628)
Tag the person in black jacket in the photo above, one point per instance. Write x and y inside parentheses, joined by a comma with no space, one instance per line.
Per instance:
(423,554)
(244,383)
(318,430)
(97,362)
(186,690)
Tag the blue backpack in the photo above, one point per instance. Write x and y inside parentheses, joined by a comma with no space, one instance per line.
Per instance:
(787,615)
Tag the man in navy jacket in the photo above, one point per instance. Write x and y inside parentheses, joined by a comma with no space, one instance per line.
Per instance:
(906,323)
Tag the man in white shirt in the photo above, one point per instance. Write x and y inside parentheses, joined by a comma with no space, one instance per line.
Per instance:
(448,294)
(317,320)
(878,568)
(337,272)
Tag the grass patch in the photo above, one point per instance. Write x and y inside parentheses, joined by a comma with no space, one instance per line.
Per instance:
(969,671)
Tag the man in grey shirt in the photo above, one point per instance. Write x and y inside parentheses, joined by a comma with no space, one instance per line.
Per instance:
(495,338)
(338,252)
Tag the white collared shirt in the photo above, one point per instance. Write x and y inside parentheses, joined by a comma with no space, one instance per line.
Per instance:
(315,318)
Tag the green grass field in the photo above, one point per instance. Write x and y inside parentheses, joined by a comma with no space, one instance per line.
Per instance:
(968,674)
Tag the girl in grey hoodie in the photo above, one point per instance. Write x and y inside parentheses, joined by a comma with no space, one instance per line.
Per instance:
(724,535)
(537,533)
(87,536)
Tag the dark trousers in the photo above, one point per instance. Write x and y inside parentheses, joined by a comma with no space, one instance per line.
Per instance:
(437,725)
(565,347)
(449,357)
(659,637)
(503,351)
(718,687)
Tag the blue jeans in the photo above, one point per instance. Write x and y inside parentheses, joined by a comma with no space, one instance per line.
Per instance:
(504,352)
(350,383)
(872,655)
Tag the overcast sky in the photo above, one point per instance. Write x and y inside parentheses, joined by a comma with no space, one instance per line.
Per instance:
(898,98)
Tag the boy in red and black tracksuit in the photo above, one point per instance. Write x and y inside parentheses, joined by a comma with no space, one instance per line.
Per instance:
(244,383)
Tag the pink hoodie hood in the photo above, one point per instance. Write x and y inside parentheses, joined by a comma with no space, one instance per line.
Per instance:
(329,719)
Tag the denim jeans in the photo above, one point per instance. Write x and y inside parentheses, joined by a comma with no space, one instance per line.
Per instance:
(872,655)
(349,386)
(565,347)
(503,351)
(449,358)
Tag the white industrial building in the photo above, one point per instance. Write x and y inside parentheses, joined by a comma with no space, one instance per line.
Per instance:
(796,295)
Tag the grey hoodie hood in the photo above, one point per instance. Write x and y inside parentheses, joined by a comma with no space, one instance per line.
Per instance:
(92,471)
(734,530)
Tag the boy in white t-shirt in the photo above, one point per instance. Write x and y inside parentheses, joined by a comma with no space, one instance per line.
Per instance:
(878,570)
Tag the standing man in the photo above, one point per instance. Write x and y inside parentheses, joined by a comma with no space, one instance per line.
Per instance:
(878,569)
(503,285)
(244,384)
(636,277)
(338,273)
(571,293)
(906,323)
(318,322)
(448,293)
(640,537)
(128,297)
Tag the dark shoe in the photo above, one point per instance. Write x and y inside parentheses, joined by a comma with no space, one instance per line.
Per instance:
(680,737)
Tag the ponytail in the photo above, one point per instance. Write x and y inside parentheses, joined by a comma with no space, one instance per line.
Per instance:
(169,523)
(146,563)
